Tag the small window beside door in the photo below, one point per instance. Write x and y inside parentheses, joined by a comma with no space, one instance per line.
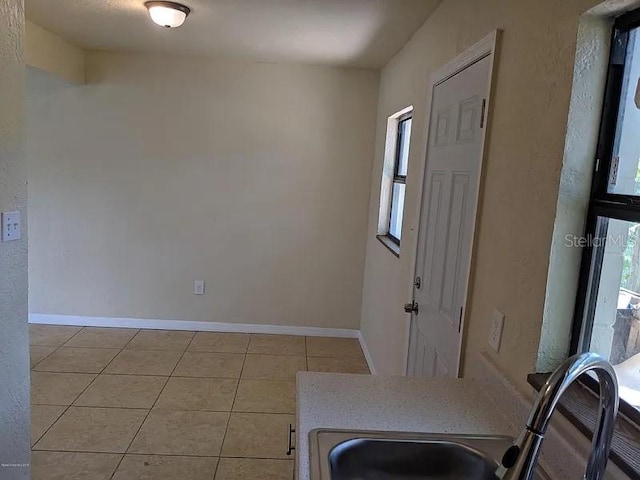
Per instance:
(394,179)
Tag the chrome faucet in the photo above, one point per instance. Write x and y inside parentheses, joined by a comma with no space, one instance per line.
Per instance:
(521,459)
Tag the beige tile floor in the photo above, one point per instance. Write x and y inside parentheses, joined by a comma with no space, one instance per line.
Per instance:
(125,404)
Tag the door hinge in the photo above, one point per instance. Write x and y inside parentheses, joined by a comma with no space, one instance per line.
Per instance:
(484,106)
(460,321)
(291,447)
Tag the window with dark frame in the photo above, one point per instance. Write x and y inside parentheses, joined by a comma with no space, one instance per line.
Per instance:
(607,314)
(398,190)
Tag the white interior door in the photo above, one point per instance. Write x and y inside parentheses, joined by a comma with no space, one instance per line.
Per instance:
(447,220)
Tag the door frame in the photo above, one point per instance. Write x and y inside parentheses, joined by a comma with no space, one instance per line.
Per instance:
(487,47)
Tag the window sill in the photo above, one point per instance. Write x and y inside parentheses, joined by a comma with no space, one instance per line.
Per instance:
(392,246)
(579,405)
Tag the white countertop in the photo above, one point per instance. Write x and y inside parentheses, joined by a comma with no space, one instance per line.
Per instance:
(371,402)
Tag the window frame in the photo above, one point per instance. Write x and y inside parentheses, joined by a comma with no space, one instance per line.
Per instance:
(397,178)
(602,203)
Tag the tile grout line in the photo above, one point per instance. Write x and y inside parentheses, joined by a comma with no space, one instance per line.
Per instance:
(201,351)
(130,340)
(233,403)
(72,372)
(31,442)
(168,409)
(105,367)
(133,438)
(87,387)
(238,379)
(68,372)
(50,426)
(56,348)
(97,348)
(294,380)
(120,408)
(79,394)
(182,455)
(235,395)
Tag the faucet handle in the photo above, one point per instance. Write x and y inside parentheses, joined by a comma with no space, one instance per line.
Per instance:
(520,459)
(510,457)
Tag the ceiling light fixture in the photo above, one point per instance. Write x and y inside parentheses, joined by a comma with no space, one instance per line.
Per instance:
(168,14)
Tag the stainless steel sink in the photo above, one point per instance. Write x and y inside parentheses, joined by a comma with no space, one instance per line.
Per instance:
(363,455)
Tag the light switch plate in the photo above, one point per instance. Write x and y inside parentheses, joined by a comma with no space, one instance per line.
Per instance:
(11,226)
(495,330)
(198,287)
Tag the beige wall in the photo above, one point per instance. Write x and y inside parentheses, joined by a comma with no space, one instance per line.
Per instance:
(518,205)
(53,54)
(164,170)
(14,352)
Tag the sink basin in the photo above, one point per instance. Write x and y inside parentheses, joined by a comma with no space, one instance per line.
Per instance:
(351,455)
(386,460)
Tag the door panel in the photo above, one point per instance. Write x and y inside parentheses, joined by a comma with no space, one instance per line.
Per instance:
(455,240)
(435,202)
(447,219)
(468,120)
(443,121)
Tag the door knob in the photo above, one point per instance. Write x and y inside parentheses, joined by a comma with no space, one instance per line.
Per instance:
(411,307)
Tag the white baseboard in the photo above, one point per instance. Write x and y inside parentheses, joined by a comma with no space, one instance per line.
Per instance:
(156,324)
(367,354)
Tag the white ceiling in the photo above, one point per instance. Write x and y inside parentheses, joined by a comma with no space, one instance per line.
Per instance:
(360,33)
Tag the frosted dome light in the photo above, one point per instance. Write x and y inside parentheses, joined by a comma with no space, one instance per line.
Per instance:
(168,14)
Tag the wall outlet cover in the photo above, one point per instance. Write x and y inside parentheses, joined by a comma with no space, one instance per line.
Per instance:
(495,330)
(198,287)
(11,226)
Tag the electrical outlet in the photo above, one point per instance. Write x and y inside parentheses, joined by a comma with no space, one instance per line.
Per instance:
(495,329)
(11,226)
(198,287)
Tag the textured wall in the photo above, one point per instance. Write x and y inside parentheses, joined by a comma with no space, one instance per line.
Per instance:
(53,54)
(522,172)
(164,170)
(14,352)
(592,58)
